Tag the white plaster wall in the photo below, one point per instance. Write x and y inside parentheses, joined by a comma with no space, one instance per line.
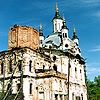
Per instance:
(58,25)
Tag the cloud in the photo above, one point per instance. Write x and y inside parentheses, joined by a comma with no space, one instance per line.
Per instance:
(92,8)
(96,49)
(92,70)
(98,14)
(91,2)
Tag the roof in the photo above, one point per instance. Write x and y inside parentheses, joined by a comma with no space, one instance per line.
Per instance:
(57,15)
(53,38)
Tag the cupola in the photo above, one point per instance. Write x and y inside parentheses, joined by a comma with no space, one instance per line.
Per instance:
(64,29)
(75,38)
(57,21)
(41,36)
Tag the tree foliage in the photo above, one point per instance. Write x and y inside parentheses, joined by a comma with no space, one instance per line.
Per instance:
(93,89)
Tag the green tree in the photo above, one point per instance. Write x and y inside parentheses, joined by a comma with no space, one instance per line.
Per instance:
(93,89)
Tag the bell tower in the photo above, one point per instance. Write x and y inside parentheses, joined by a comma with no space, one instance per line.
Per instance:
(23,36)
(57,21)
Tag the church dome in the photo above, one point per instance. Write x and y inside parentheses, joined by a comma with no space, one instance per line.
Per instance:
(54,40)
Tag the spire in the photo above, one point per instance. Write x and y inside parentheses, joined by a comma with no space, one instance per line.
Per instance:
(40,30)
(57,10)
(64,23)
(57,15)
(63,17)
(74,31)
(74,34)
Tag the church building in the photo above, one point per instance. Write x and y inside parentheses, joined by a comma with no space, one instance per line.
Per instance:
(39,68)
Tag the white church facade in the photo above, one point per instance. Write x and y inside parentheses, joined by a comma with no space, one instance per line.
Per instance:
(38,68)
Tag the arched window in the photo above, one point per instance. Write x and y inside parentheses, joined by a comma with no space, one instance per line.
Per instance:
(54,58)
(30,90)
(81,96)
(20,65)
(55,27)
(43,67)
(66,35)
(30,65)
(55,84)
(80,74)
(56,96)
(61,97)
(55,67)
(75,72)
(60,84)
(50,47)
(63,35)
(10,66)
(72,96)
(2,67)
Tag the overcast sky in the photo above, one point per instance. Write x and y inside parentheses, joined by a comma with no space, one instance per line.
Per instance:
(83,14)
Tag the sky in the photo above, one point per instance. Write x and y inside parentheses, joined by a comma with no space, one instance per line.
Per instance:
(83,14)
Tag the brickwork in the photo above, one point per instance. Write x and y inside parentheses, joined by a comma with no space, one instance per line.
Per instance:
(23,36)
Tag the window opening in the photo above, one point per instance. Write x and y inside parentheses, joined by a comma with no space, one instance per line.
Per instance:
(56,96)
(75,72)
(18,86)
(43,67)
(65,97)
(54,58)
(63,35)
(66,45)
(61,97)
(78,98)
(81,96)
(2,66)
(50,47)
(60,84)
(30,92)
(72,96)
(20,65)
(55,67)
(55,27)
(10,66)
(81,74)
(80,71)
(66,35)
(30,65)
